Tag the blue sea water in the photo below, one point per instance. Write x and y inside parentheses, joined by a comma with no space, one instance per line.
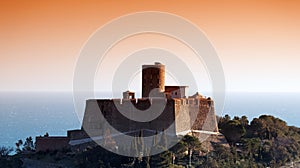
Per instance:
(285,106)
(35,113)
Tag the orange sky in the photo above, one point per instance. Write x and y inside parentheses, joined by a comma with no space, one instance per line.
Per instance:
(257,41)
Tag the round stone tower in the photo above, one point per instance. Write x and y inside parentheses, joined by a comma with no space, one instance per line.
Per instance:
(153,79)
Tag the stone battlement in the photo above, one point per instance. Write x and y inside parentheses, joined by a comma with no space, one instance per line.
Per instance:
(138,101)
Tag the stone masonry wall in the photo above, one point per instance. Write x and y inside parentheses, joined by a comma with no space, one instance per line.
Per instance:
(205,119)
(94,123)
(181,114)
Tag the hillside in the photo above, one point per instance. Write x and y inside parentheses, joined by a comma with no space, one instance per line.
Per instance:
(266,141)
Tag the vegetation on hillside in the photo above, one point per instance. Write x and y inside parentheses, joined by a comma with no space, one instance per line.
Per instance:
(264,142)
(8,161)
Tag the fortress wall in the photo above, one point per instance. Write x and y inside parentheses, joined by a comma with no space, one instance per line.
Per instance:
(193,110)
(94,123)
(51,143)
(200,113)
(76,134)
(196,114)
(186,113)
(92,120)
(205,117)
(182,115)
(212,122)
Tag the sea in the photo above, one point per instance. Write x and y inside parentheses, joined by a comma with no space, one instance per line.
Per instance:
(24,114)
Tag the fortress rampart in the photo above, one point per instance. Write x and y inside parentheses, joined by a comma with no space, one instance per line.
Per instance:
(178,115)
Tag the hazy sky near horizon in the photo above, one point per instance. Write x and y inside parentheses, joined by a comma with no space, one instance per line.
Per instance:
(258,41)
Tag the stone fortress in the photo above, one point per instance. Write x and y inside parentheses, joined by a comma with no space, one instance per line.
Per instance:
(170,107)
(180,112)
